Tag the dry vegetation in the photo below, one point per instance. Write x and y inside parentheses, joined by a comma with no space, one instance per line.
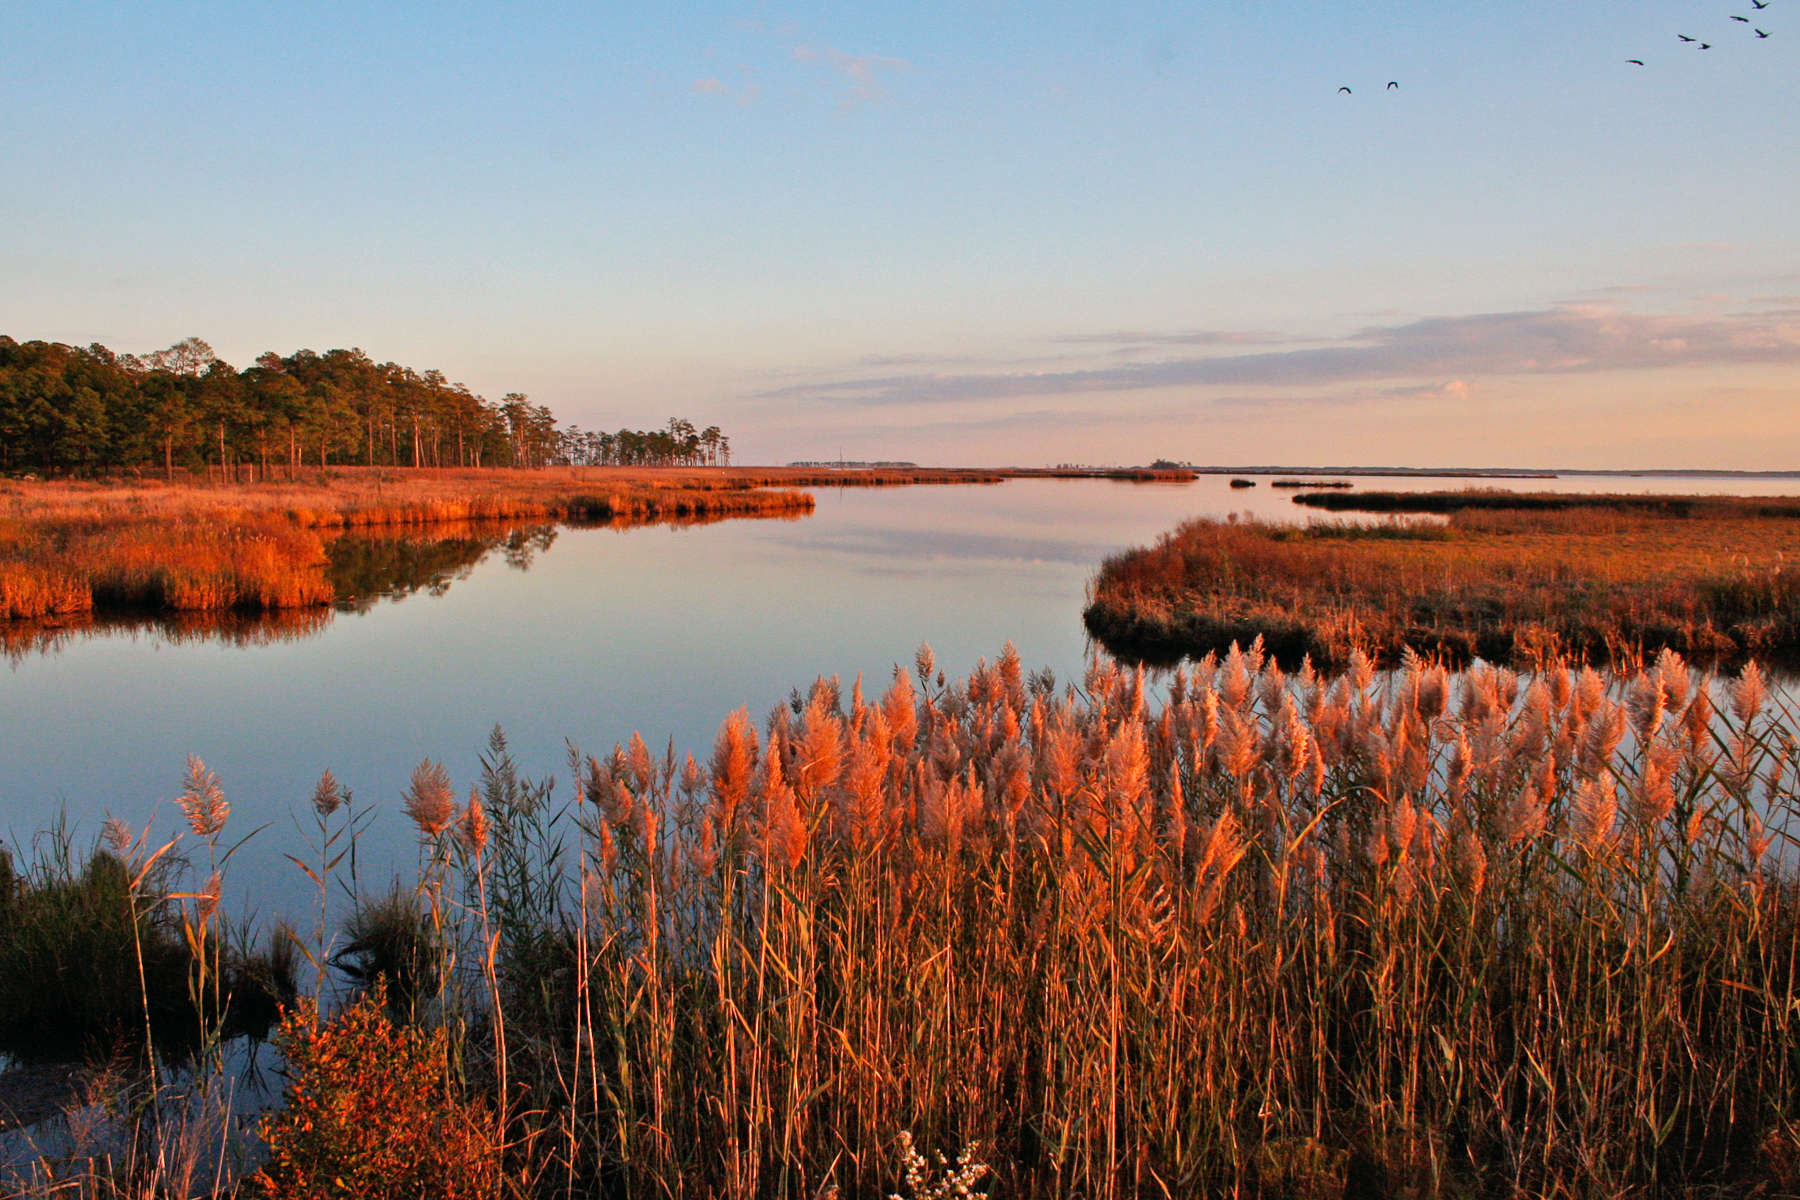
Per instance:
(68,549)
(1588,577)
(1278,936)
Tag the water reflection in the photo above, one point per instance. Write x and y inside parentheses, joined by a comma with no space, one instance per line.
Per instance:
(364,567)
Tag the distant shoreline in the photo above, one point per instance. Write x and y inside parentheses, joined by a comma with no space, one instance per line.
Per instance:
(1497,473)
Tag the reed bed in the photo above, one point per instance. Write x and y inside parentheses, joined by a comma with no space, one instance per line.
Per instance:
(371,490)
(1600,582)
(67,549)
(1273,935)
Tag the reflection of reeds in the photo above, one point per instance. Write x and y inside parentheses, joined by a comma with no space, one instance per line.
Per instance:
(1505,585)
(69,549)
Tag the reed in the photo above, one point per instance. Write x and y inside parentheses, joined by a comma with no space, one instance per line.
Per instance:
(1599,582)
(1279,935)
(1272,934)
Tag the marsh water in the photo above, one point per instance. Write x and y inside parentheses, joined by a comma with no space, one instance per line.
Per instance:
(580,635)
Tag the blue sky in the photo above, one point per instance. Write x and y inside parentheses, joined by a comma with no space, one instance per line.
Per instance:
(982,232)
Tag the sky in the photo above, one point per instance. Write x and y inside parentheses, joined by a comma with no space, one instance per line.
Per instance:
(983,233)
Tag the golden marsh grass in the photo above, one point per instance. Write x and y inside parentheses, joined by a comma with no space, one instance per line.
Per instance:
(1712,581)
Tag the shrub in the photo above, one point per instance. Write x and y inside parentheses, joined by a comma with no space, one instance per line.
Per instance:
(369,1112)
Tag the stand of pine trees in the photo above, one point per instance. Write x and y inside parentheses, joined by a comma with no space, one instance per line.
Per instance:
(68,410)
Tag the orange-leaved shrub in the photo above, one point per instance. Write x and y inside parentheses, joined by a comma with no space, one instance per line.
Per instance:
(369,1112)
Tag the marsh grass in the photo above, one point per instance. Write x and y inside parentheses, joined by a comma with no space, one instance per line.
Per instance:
(1600,582)
(67,549)
(1495,935)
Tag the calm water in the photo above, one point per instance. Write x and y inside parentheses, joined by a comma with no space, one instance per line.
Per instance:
(659,630)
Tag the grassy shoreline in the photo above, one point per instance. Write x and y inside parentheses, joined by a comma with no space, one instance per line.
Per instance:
(1512,579)
(68,549)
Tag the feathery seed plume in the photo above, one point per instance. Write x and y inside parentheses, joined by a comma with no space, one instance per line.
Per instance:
(202,800)
(328,795)
(1748,693)
(473,827)
(429,801)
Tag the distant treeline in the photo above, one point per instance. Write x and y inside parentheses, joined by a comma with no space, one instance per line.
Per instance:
(73,410)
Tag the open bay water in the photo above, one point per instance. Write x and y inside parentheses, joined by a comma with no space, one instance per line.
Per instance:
(659,630)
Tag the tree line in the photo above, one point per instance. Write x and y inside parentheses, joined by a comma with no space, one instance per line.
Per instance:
(75,410)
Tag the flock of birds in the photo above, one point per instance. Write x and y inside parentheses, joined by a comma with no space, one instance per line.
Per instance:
(1757,5)
(1760,33)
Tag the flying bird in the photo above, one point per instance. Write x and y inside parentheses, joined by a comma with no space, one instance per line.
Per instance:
(1759,5)
(1760,33)
(1735,17)
(1638,61)
(1684,37)
(1393,83)
(1706,45)
(1346,91)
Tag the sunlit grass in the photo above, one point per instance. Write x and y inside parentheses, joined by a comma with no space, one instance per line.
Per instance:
(1713,582)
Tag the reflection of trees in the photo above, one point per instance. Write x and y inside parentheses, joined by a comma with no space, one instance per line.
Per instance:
(364,567)
(24,639)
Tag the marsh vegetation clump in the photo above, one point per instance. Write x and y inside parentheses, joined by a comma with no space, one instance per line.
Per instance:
(370,1110)
(67,551)
(1581,577)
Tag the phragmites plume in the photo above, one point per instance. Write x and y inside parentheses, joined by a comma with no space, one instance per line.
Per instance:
(328,796)
(1456,778)
(733,760)
(1526,816)
(897,710)
(1596,809)
(1234,679)
(202,800)
(1656,788)
(1756,841)
(1605,730)
(783,829)
(1236,745)
(926,662)
(473,827)
(1748,693)
(1672,676)
(1647,705)
(1127,762)
(1590,691)
(1696,721)
(429,801)
(820,747)
(1471,863)
(117,835)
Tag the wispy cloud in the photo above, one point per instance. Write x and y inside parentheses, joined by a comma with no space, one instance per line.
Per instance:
(747,94)
(1450,389)
(1198,337)
(1568,339)
(860,69)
